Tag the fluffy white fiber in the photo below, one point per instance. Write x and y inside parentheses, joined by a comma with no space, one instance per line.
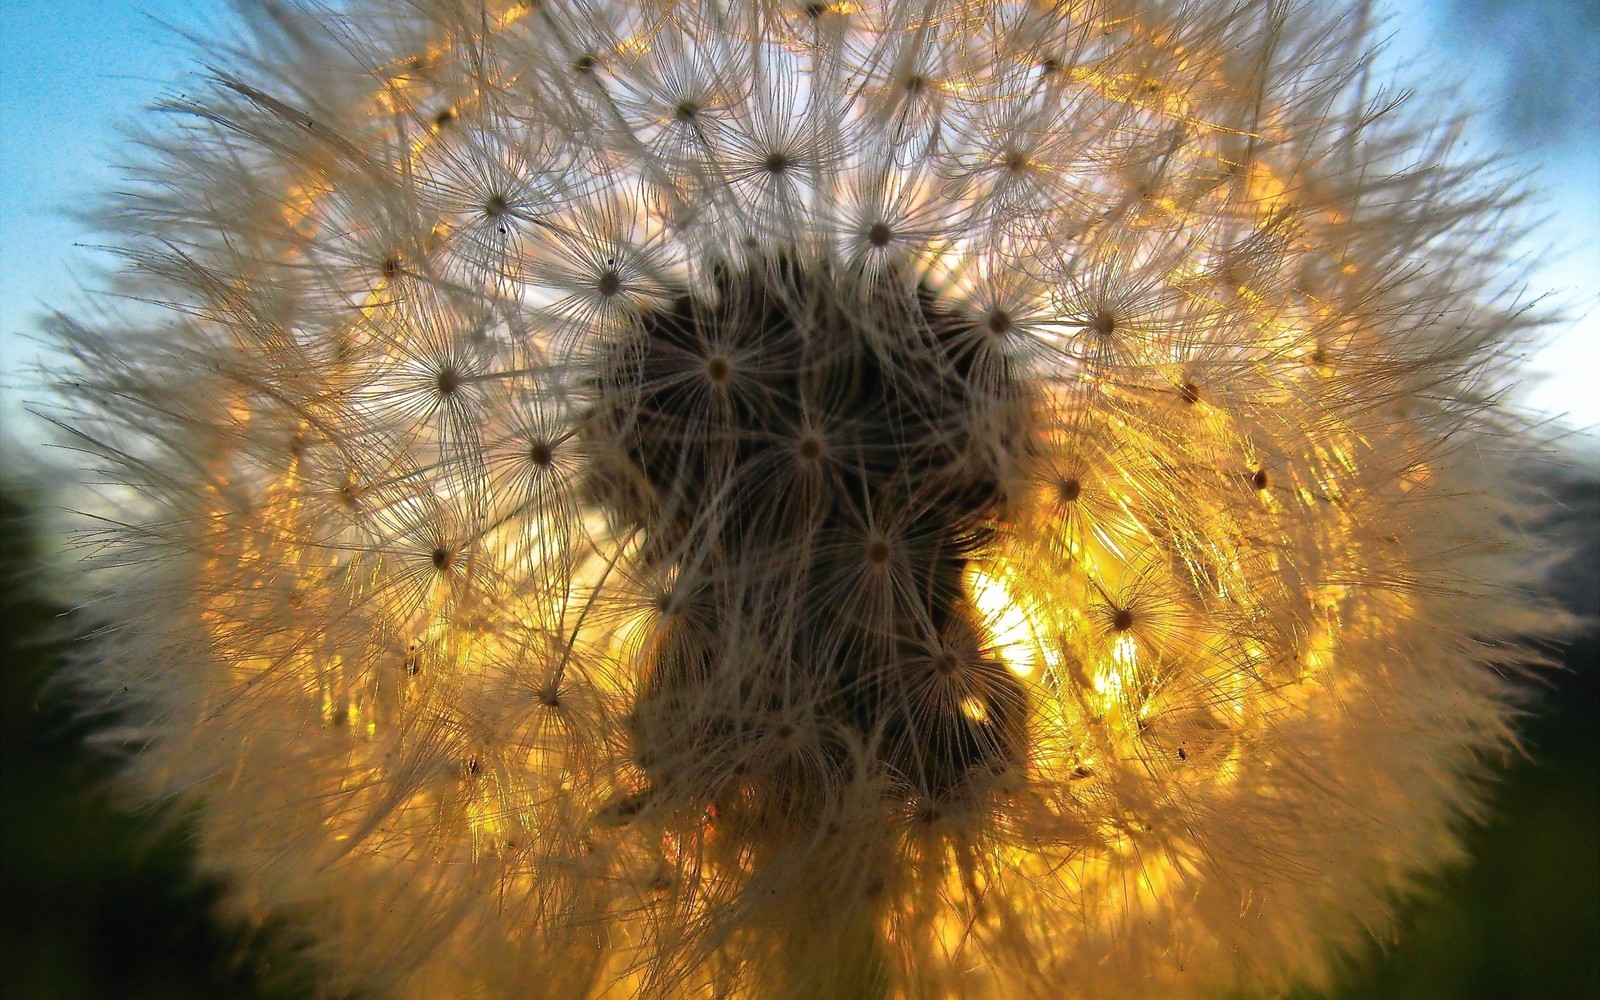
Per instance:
(756,499)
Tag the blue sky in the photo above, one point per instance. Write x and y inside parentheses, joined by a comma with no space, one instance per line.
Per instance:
(73,72)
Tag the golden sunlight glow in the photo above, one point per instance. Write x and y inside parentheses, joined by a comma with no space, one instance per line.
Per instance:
(1012,635)
(974,709)
(1113,678)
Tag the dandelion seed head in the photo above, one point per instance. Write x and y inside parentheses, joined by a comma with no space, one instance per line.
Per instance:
(783,500)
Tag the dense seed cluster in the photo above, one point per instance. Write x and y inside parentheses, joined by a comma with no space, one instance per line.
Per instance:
(966,498)
(817,490)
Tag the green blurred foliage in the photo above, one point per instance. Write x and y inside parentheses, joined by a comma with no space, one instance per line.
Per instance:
(96,903)
(1523,919)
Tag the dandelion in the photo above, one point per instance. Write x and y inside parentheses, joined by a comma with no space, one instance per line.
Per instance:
(889,499)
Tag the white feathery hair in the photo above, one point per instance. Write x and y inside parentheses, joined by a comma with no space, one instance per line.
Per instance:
(745,498)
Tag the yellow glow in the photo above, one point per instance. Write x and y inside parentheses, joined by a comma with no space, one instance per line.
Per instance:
(512,14)
(1111,680)
(1010,631)
(483,818)
(974,709)
(299,209)
(1267,190)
